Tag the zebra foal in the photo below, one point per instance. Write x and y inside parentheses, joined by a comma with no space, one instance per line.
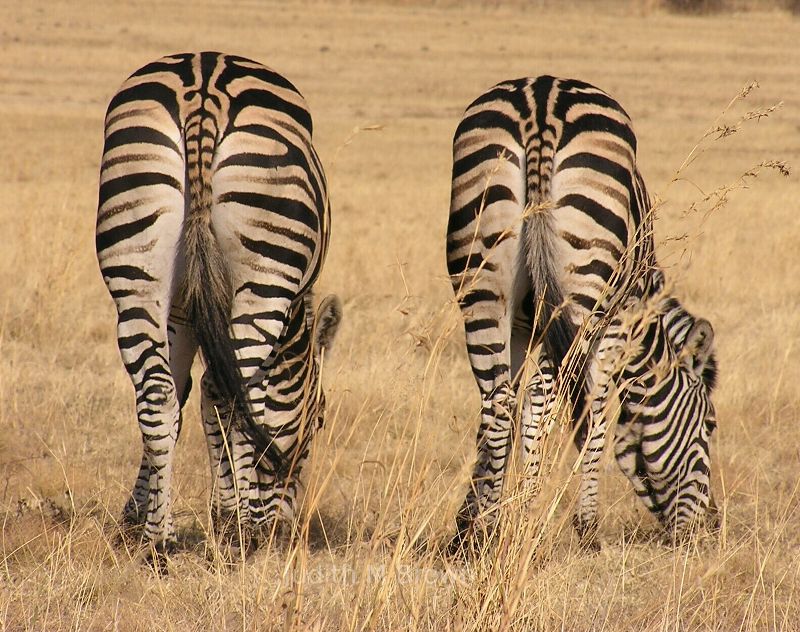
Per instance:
(551,256)
(212,227)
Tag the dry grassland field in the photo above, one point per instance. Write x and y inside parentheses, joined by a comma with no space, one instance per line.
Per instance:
(386,84)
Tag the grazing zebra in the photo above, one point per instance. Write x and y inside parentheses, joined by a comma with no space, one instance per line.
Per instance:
(550,243)
(212,227)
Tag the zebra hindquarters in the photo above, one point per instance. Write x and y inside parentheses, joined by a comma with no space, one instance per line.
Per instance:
(139,226)
(267,222)
(486,266)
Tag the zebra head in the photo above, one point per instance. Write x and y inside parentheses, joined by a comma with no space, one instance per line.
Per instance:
(667,421)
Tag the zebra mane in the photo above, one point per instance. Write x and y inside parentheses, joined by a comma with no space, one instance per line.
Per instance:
(678,322)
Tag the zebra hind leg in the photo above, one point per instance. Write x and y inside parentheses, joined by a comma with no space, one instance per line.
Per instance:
(150,501)
(182,347)
(231,458)
(477,519)
(143,345)
(488,333)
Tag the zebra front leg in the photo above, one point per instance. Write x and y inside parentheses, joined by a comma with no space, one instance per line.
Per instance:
(274,501)
(273,505)
(628,453)
(591,438)
(294,424)
(256,325)
(231,459)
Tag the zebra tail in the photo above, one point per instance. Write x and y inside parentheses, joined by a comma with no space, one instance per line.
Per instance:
(553,325)
(207,295)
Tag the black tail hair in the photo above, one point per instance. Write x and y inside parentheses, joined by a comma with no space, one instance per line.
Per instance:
(555,328)
(553,325)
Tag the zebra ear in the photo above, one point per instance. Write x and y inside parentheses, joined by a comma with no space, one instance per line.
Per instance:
(329,316)
(698,344)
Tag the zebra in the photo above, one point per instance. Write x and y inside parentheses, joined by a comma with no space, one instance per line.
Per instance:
(551,256)
(212,227)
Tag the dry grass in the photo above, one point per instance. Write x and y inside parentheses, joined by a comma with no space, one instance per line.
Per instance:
(391,466)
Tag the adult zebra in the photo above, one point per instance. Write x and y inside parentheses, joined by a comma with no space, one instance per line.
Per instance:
(212,227)
(550,243)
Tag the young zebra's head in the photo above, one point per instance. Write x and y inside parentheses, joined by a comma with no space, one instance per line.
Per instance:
(667,421)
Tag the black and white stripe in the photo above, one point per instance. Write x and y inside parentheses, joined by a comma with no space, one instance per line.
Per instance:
(212,227)
(551,256)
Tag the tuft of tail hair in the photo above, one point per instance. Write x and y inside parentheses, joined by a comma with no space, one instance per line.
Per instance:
(553,326)
(207,296)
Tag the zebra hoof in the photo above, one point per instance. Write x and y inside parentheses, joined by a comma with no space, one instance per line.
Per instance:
(130,534)
(157,557)
(233,542)
(276,534)
(587,534)
(590,546)
(229,555)
(700,530)
(470,539)
(459,546)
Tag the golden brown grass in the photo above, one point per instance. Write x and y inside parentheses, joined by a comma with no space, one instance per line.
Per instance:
(391,466)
